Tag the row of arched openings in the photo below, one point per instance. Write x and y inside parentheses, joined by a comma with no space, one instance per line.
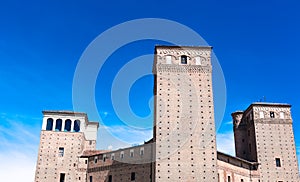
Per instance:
(59,122)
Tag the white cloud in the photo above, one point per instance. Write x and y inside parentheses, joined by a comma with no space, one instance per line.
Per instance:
(17,166)
(225,143)
(18,149)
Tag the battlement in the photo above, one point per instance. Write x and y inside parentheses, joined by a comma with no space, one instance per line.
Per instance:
(183,55)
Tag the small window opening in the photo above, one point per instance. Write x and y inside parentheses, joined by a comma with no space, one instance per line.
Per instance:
(61,152)
(184,59)
(68,125)
(198,61)
(142,151)
(278,163)
(77,125)
(62,177)
(49,124)
(132,176)
(281,115)
(168,59)
(272,114)
(58,125)
(131,153)
(261,114)
(96,159)
(122,155)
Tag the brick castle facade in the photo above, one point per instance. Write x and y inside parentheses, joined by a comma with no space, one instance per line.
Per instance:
(183,147)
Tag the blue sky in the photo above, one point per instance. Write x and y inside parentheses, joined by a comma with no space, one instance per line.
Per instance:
(41,43)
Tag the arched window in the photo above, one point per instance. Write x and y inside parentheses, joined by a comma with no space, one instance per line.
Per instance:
(77,125)
(68,125)
(58,125)
(49,124)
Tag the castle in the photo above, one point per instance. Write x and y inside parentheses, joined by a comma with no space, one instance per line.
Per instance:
(183,147)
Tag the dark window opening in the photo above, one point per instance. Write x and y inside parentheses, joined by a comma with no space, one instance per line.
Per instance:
(61,152)
(272,114)
(68,125)
(132,176)
(91,178)
(110,178)
(49,124)
(228,179)
(62,177)
(58,125)
(278,163)
(76,125)
(96,160)
(183,59)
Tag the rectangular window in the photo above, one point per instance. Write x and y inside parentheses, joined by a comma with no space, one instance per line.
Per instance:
(62,177)
(86,161)
(61,152)
(122,155)
(132,176)
(183,59)
(91,178)
(228,180)
(96,160)
(168,59)
(142,151)
(261,114)
(281,115)
(272,114)
(112,156)
(278,163)
(198,61)
(131,153)
(110,178)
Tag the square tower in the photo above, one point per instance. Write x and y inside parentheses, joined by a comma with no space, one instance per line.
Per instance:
(184,127)
(64,137)
(264,134)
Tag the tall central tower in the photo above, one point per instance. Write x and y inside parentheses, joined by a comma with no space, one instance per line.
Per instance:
(184,128)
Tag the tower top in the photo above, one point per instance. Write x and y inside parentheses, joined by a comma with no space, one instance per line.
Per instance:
(262,104)
(69,121)
(182,47)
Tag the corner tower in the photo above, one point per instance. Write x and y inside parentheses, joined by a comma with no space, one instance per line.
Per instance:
(264,134)
(64,137)
(184,127)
